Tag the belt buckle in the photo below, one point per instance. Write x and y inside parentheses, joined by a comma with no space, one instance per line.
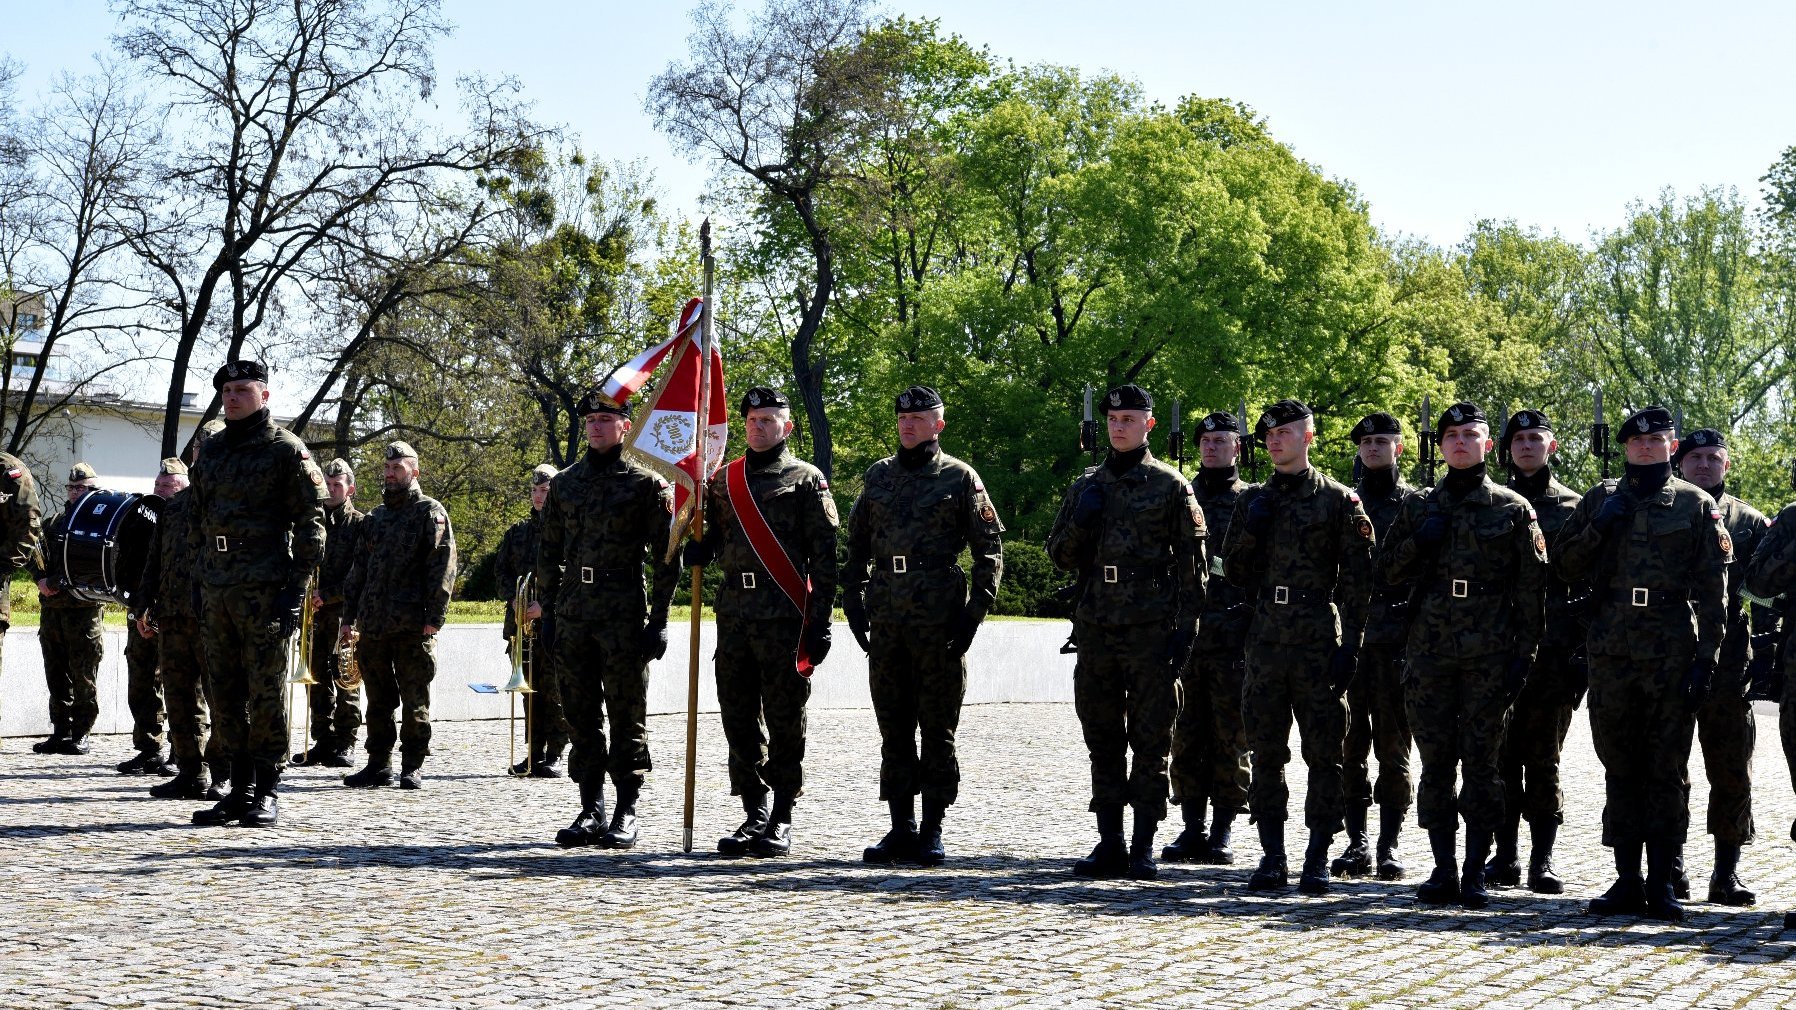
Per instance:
(1642,597)
(748,580)
(1461,589)
(900,564)
(1110,573)
(586,575)
(1281,594)
(221,544)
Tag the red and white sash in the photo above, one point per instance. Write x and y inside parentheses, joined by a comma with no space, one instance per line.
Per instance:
(772,556)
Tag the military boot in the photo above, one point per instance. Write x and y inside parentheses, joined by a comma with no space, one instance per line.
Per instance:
(622,832)
(311,757)
(336,757)
(588,827)
(265,812)
(377,775)
(144,762)
(900,843)
(221,779)
(1542,877)
(1442,886)
(776,838)
(1110,859)
(1314,879)
(547,766)
(1661,895)
(1192,844)
(188,784)
(1725,887)
(411,774)
(1222,826)
(235,803)
(1627,896)
(1271,875)
(1505,868)
(1356,859)
(74,746)
(1390,857)
(1141,847)
(735,844)
(1680,880)
(53,743)
(1471,881)
(929,850)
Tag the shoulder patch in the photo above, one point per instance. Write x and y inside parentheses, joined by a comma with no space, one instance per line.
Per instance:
(1727,542)
(1363,527)
(1540,542)
(987,513)
(316,475)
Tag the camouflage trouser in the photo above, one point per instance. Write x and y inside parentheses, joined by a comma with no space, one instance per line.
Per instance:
(336,713)
(1209,744)
(246,671)
(178,654)
(1377,723)
(545,725)
(397,670)
(917,689)
(761,699)
(1642,736)
(73,645)
(1534,742)
(1457,708)
(604,673)
(1127,698)
(1727,731)
(143,692)
(1283,681)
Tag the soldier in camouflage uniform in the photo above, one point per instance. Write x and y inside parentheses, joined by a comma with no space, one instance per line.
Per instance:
(1542,715)
(915,613)
(166,618)
(1376,721)
(397,597)
(336,711)
(1724,724)
(604,516)
(1302,544)
(1478,562)
(1133,533)
(19,528)
(1209,744)
(761,689)
(1655,552)
(257,532)
(143,696)
(544,725)
(1770,579)
(69,634)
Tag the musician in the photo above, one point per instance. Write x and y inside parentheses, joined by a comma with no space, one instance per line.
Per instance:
(336,711)
(19,527)
(258,531)
(69,635)
(544,724)
(771,519)
(397,596)
(143,686)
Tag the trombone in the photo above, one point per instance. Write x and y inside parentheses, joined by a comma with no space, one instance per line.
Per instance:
(299,665)
(523,669)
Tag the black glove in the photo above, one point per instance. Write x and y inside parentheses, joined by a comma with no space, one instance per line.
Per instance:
(857,623)
(1431,532)
(1577,677)
(1515,677)
(1342,666)
(1178,646)
(1695,685)
(1089,507)
(287,604)
(1610,513)
(1259,514)
(965,627)
(652,639)
(1762,680)
(817,641)
(698,552)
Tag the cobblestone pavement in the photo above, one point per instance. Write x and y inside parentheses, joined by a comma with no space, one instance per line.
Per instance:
(457,896)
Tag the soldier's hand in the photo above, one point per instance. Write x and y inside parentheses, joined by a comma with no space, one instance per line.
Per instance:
(317,603)
(345,633)
(1259,514)
(1515,677)
(144,627)
(1431,532)
(1089,508)
(1695,685)
(45,587)
(966,625)
(431,629)
(1342,666)
(817,642)
(698,552)
(856,613)
(1611,512)
(534,611)
(652,639)
(1762,681)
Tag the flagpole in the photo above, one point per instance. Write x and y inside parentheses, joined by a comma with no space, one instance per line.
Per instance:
(701,433)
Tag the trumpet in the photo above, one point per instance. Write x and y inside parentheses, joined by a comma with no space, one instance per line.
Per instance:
(299,664)
(523,668)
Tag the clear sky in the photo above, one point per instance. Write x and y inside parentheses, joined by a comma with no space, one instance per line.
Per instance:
(1554,114)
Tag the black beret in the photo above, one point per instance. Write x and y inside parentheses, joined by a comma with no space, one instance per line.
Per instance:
(1701,438)
(239,371)
(1282,413)
(1458,414)
(1222,420)
(1126,397)
(1379,423)
(763,396)
(1525,420)
(917,398)
(1645,421)
(400,450)
(596,401)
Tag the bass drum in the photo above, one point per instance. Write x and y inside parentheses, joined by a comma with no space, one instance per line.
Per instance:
(103,546)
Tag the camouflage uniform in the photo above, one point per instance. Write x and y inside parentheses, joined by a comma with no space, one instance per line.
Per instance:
(1376,720)
(73,644)
(19,530)
(544,723)
(336,713)
(143,692)
(1724,724)
(398,585)
(1771,574)
(1209,744)
(168,582)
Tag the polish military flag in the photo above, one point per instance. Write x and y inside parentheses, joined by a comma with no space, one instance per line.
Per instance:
(666,429)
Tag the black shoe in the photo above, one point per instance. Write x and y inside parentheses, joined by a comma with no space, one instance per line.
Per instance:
(1191,844)
(335,759)
(1390,857)
(1314,879)
(1141,847)
(51,743)
(589,825)
(756,810)
(1505,868)
(1663,861)
(621,834)
(308,758)
(1441,887)
(1356,859)
(72,746)
(776,838)
(546,769)
(1680,880)
(235,803)
(521,769)
(1220,852)
(929,850)
(375,776)
(900,843)
(411,778)
(1542,877)
(140,763)
(188,784)
(1110,859)
(1271,875)
(1725,886)
(1472,893)
(1627,896)
(265,812)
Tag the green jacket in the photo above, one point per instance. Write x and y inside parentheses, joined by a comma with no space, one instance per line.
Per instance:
(603,518)
(404,568)
(920,520)
(794,498)
(259,496)
(1144,562)
(1317,557)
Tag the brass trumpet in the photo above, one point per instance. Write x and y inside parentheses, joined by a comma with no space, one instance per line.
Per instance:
(299,664)
(523,668)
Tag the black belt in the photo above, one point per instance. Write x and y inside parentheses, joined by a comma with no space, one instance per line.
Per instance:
(1461,589)
(1129,573)
(900,564)
(1289,594)
(591,575)
(225,545)
(1640,596)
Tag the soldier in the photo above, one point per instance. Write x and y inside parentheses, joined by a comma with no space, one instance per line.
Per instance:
(397,596)
(336,710)
(1478,561)
(915,613)
(19,528)
(258,531)
(69,634)
(1376,721)
(1771,576)
(166,619)
(1209,745)
(773,522)
(603,515)
(1655,552)
(1303,544)
(544,725)
(1131,529)
(143,689)
(1724,724)
(1542,714)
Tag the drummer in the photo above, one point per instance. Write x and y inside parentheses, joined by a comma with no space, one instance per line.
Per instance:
(69,634)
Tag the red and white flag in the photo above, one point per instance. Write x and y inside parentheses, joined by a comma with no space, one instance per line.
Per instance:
(665,437)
